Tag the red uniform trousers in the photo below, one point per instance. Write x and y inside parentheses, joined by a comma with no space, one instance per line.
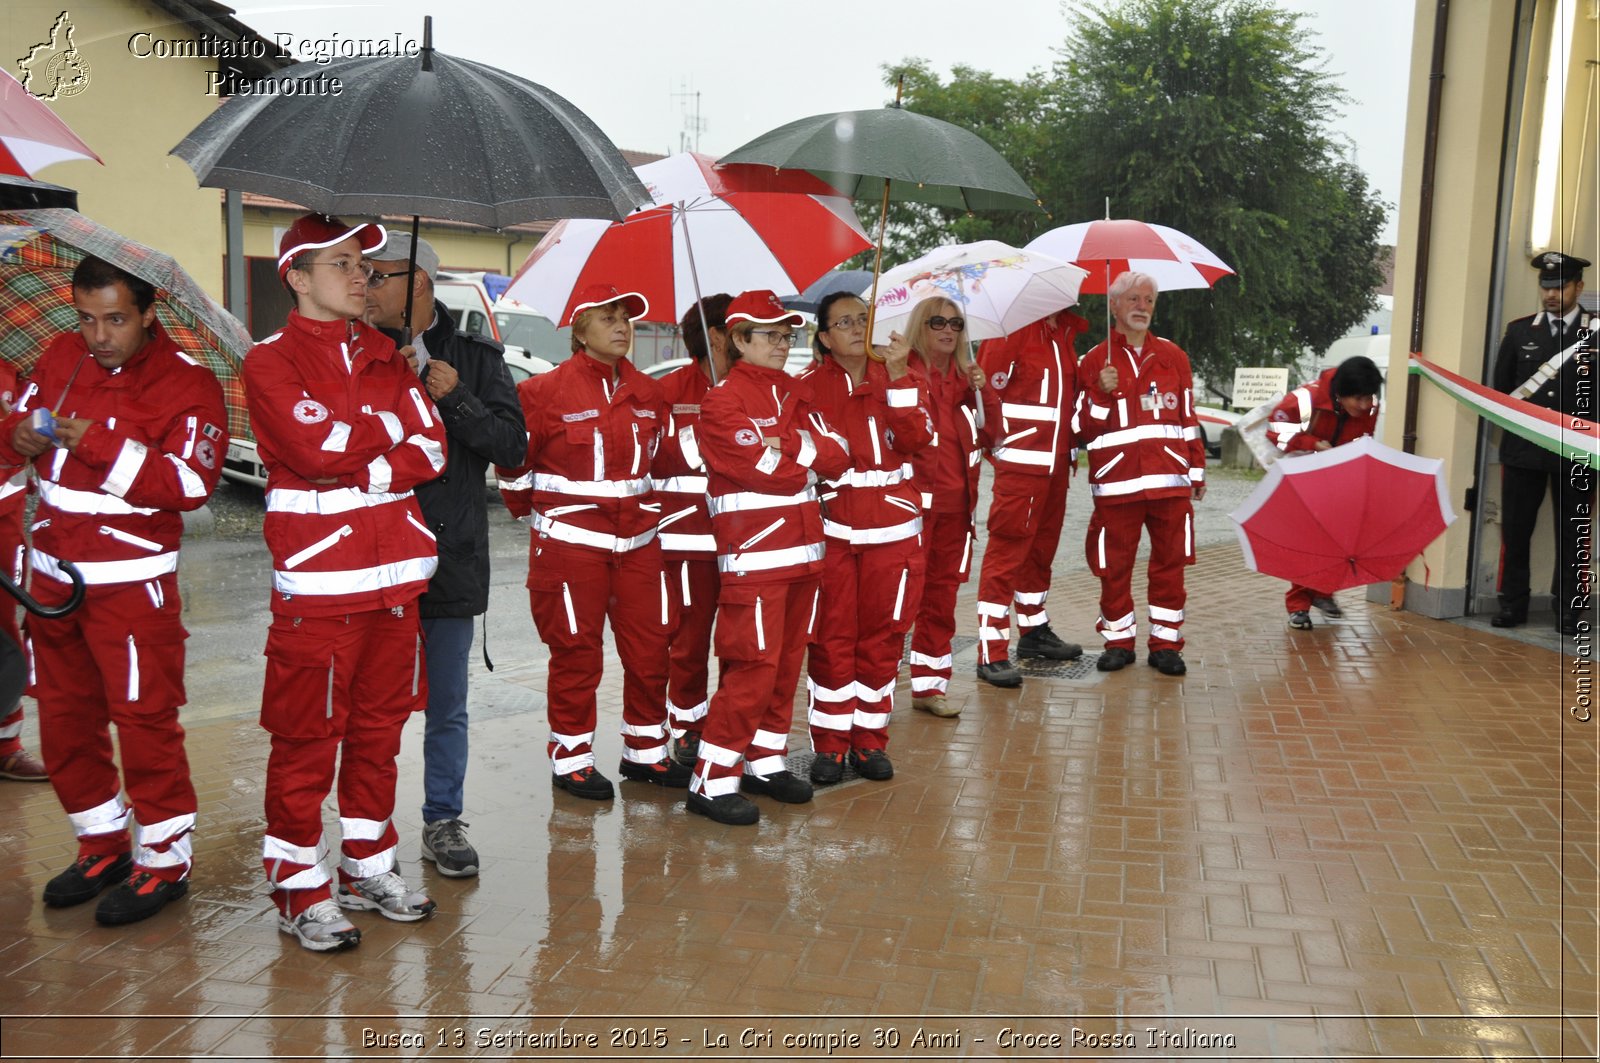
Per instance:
(869,596)
(762,632)
(1112,545)
(337,688)
(573,590)
(1297,599)
(692,593)
(950,538)
(1024,530)
(118,658)
(12,553)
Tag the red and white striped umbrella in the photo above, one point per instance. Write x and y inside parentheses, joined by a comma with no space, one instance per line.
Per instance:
(31,135)
(728,229)
(1114,246)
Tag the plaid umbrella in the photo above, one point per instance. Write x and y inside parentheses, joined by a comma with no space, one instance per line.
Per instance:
(39,250)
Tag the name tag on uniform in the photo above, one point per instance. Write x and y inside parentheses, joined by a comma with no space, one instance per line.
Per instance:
(1149,402)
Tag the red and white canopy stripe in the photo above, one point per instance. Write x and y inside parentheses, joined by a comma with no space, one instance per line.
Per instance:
(31,135)
(1115,246)
(714,229)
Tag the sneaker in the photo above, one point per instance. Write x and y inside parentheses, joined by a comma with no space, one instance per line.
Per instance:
(140,897)
(1000,674)
(84,880)
(872,764)
(1115,659)
(1300,620)
(936,705)
(1168,662)
(1510,616)
(664,772)
(1042,642)
(444,841)
(732,809)
(322,928)
(24,767)
(686,750)
(586,782)
(827,769)
(1328,607)
(388,895)
(784,786)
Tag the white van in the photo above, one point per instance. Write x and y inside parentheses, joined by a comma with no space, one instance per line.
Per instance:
(468,302)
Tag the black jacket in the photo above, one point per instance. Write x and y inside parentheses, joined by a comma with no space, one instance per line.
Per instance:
(1528,344)
(483,424)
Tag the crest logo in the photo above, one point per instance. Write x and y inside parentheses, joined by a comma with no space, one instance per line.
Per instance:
(54,69)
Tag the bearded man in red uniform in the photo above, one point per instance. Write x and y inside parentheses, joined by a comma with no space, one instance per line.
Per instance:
(1136,417)
(130,433)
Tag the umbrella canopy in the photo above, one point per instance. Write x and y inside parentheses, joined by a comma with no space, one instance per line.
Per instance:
(19,193)
(732,229)
(39,250)
(439,136)
(31,135)
(854,281)
(1114,246)
(999,288)
(1345,517)
(925,160)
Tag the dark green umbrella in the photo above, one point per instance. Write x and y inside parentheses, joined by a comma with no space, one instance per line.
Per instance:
(917,159)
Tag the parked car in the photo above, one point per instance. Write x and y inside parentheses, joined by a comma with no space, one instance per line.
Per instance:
(468,302)
(522,328)
(1213,421)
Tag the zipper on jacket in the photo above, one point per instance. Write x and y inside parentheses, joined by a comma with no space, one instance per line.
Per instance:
(326,543)
(877,448)
(421,527)
(763,533)
(132,540)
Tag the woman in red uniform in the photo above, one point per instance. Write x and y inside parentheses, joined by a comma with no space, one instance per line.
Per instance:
(1339,406)
(594,424)
(947,477)
(872,574)
(764,446)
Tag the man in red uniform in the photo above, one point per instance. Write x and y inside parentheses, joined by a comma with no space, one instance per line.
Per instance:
(15,761)
(1034,373)
(345,432)
(1339,406)
(688,551)
(594,425)
(126,432)
(1136,417)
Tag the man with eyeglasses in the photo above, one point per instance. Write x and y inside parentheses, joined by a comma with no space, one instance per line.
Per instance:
(1033,372)
(345,431)
(467,379)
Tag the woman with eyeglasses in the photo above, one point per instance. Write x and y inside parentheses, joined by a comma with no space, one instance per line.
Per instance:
(594,424)
(764,446)
(872,518)
(946,474)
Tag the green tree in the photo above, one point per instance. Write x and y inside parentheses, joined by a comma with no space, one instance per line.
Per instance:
(1206,115)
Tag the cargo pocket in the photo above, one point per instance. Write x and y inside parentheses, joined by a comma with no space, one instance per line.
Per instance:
(152,679)
(1095,546)
(743,624)
(298,694)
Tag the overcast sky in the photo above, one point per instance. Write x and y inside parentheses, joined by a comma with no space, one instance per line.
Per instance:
(637,67)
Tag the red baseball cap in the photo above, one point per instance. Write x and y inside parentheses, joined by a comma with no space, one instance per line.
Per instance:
(312,231)
(763,308)
(601,294)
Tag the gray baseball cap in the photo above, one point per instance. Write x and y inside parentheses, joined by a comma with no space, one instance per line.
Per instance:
(398,249)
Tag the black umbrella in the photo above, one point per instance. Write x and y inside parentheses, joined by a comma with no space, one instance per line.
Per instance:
(19,193)
(854,281)
(428,134)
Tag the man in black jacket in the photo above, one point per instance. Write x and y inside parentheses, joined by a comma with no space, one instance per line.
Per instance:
(467,379)
(1548,360)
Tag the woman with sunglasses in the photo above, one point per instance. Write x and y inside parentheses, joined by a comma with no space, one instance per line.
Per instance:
(947,477)
(872,517)
(764,446)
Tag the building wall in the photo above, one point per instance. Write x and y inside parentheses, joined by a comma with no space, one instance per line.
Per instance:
(131,112)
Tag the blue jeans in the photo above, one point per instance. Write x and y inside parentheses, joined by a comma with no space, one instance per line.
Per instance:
(444,738)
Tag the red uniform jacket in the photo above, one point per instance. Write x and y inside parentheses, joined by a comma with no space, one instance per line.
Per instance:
(946,470)
(1033,372)
(1143,439)
(333,401)
(677,471)
(764,500)
(884,423)
(1308,416)
(13,489)
(112,506)
(591,440)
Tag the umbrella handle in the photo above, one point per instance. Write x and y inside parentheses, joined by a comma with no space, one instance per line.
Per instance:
(31,604)
(877,268)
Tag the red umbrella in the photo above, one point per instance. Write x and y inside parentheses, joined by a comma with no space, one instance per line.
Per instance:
(729,229)
(1345,517)
(31,136)
(1114,246)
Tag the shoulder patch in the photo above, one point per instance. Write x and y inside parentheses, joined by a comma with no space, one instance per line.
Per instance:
(310,411)
(746,437)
